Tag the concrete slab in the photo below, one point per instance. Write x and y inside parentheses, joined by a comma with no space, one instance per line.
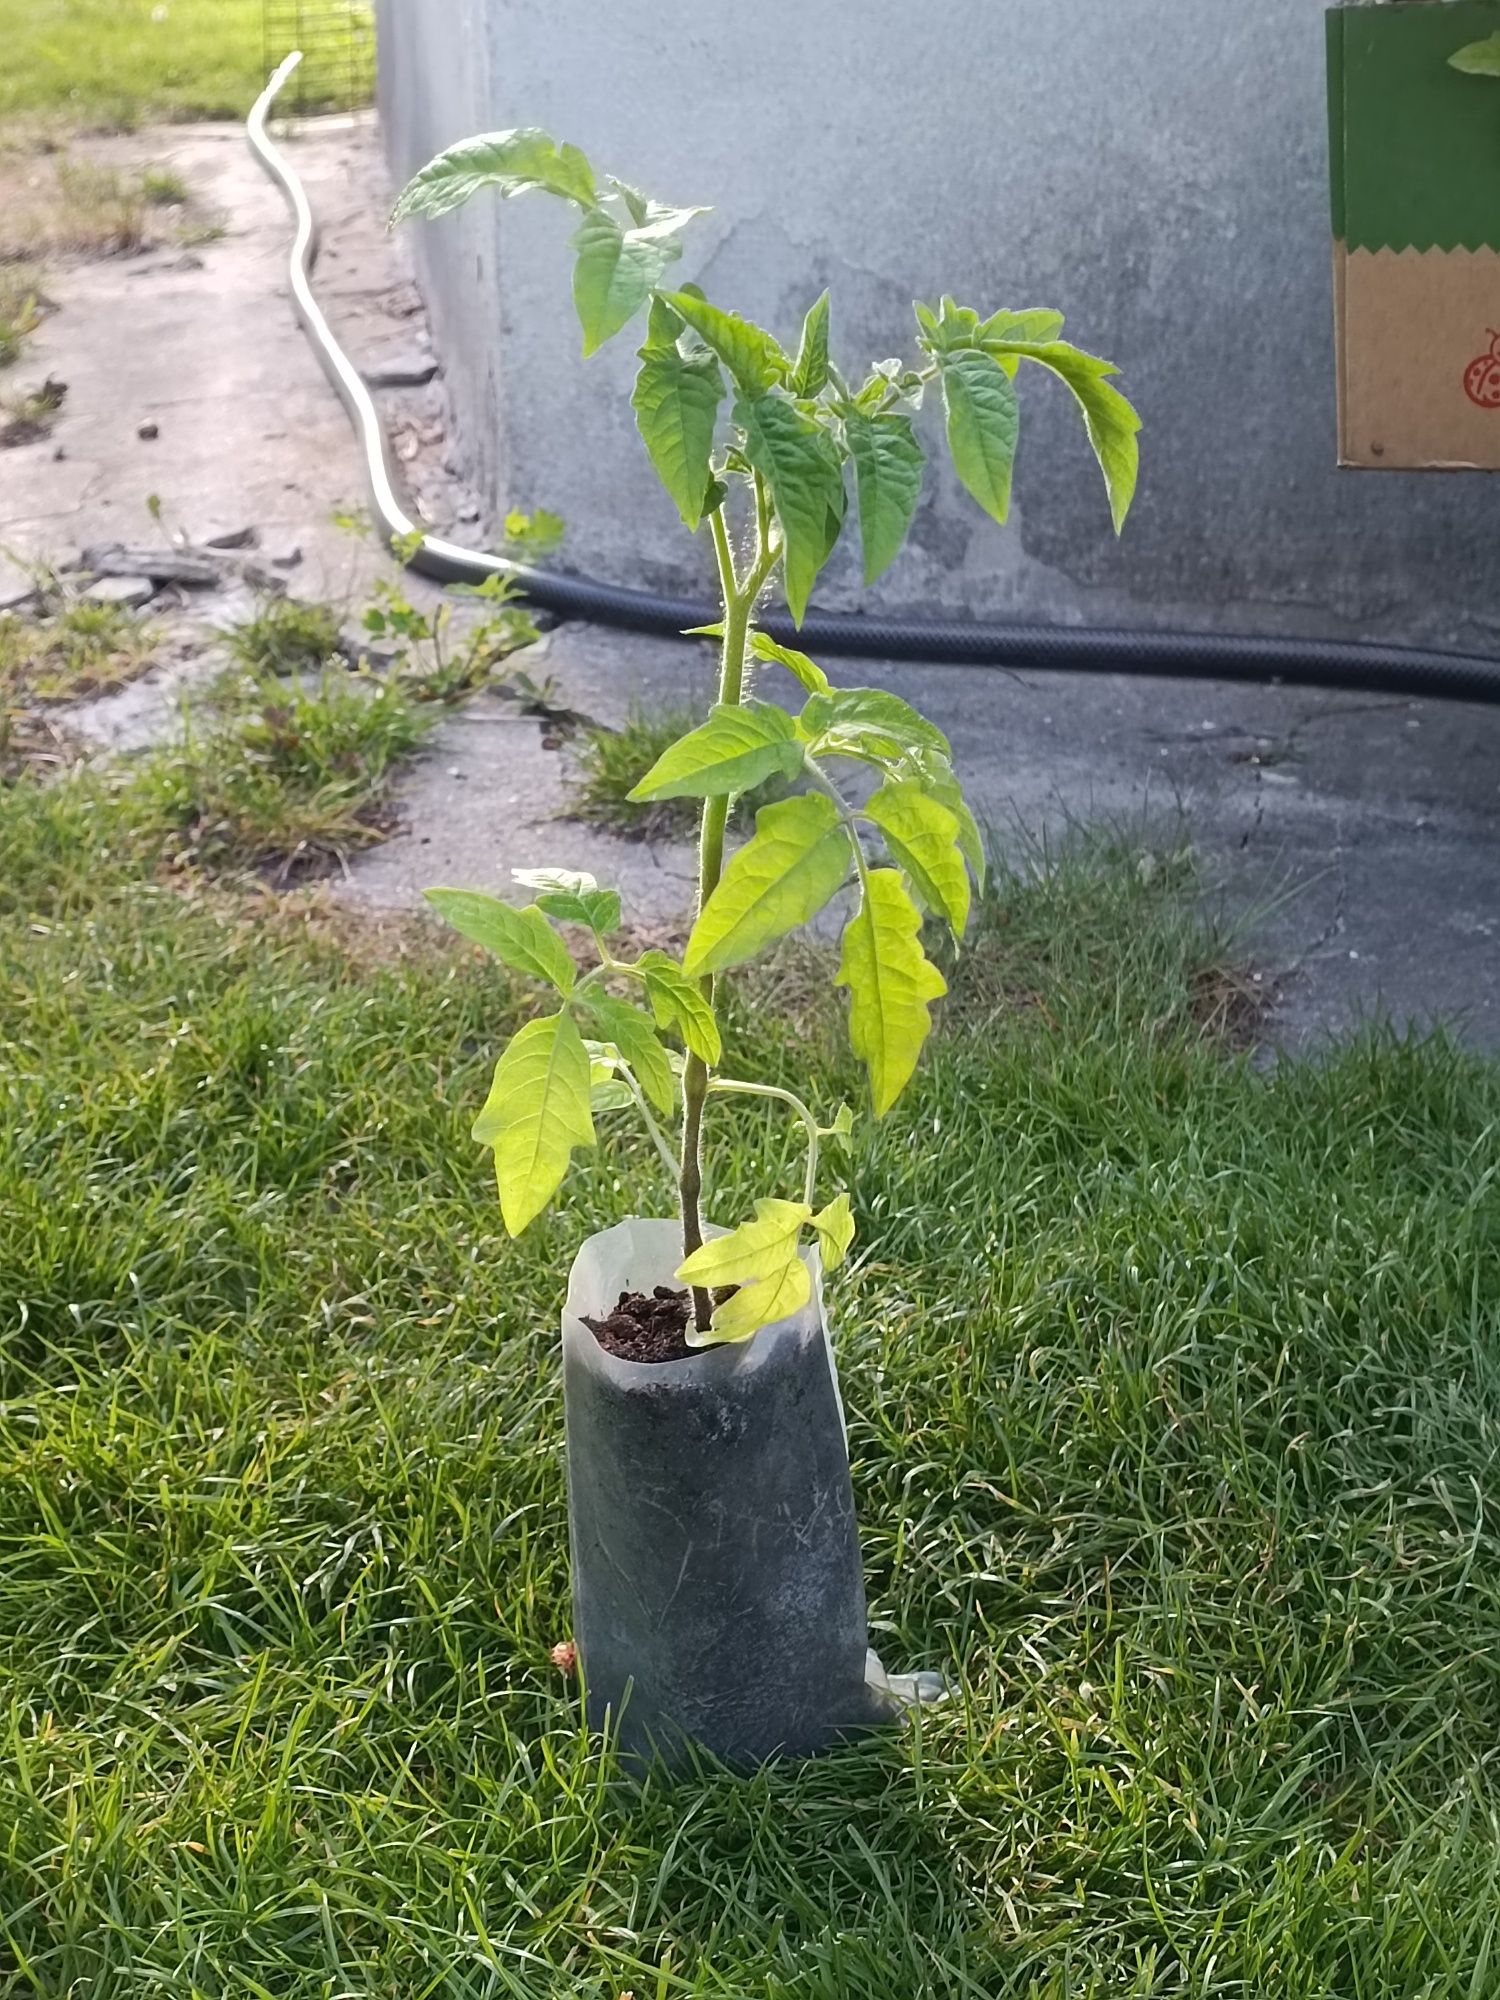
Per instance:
(1363,834)
(202,346)
(1357,840)
(492,796)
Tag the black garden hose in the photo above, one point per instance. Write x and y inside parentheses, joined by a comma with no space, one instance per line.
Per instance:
(1328,663)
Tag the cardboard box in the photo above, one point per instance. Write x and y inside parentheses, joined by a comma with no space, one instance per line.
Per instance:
(1415,168)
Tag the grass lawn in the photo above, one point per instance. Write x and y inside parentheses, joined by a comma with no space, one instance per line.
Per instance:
(92,63)
(1174,1395)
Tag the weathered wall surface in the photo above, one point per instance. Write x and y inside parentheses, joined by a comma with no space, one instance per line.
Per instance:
(1157,168)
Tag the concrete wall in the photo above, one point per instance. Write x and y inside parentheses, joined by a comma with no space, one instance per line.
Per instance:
(1156,168)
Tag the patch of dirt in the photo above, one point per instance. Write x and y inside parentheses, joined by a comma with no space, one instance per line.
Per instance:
(34,745)
(90,202)
(1231,1004)
(371,940)
(645,1329)
(71,651)
(29,417)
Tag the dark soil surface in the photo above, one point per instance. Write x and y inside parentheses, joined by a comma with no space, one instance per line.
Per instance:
(646,1329)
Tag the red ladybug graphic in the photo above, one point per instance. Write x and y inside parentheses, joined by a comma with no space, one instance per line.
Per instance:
(1482,377)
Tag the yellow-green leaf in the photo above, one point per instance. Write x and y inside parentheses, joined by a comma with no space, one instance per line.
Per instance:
(751,355)
(922,836)
(761,1258)
(810,375)
(891,984)
(867,722)
(798,665)
(738,748)
(775,1298)
(835,1227)
(635,1038)
(1479,58)
(936,774)
(798,858)
(571,897)
(608,1091)
(538,1110)
(521,939)
(677,1002)
(1034,323)
(841,1131)
(1110,421)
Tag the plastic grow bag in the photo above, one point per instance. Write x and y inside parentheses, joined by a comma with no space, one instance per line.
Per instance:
(717,1588)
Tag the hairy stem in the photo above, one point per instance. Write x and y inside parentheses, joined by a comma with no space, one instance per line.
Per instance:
(737,603)
(737,594)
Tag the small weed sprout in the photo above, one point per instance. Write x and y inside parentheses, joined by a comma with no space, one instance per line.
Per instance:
(287,636)
(164,187)
(22,305)
(69,650)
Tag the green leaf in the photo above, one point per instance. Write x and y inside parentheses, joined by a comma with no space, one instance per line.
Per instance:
(888,468)
(1036,324)
(762,1257)
(633,1035)
(935,774)
(638,204)
(740,745)
(799,858)
(572,898)
(841,1131)
(1111,423)
(617,269)
(869,723)
(750,354)
(984,424)
(763,647)
(607,1089)
(678,1003)
(800,464)
(835,1227)
(1479,58)
(922,837)
(890,380)
(891,984)
(514,162)
(663,326)
(810,374)
(676,402)
(521,939)
(951,328)
(537,1112)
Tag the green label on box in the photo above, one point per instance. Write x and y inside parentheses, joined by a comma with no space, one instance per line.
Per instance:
(1414,144)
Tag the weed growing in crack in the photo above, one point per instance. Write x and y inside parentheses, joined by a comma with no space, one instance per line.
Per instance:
(164,187)
(287,636)
(72,651)
(283,777)
(22,307)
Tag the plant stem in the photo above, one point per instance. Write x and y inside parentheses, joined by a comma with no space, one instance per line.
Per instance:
(737,602)
(730,1085)
(658,1137)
